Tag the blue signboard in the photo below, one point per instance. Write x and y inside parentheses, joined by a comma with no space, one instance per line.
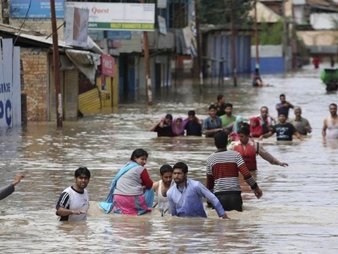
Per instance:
(119,35)
(39,9)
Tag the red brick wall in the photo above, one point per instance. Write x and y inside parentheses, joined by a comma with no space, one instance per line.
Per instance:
(35,82)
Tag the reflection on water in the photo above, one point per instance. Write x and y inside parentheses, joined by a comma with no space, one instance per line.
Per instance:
(297,213)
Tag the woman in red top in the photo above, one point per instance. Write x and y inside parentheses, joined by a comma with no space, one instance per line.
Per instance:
(256,130)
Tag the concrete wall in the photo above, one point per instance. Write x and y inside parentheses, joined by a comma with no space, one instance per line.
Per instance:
(35,82)
(271,59)
(319,38)
(324,20)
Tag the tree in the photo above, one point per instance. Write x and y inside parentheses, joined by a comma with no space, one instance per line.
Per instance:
(219,12)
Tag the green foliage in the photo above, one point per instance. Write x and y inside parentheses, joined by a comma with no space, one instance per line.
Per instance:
(271,34)
(220,12)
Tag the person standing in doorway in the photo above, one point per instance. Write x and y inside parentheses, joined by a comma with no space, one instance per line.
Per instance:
(73,203)
(330,125)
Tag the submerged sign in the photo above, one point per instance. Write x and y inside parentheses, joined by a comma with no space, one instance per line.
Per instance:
(118,16)
(10,88)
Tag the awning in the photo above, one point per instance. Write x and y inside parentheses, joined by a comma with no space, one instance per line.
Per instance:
(85,61)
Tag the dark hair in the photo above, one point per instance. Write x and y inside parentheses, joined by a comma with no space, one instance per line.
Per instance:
(169,116)
(228,105)
(191,113)
(219,97)
(281,95)
(165,168)
(82,171)
(138,153)
(244,130)
(181,165)
(333,104)
(221,139)
(212,106)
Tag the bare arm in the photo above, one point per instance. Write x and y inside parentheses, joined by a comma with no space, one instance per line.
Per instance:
(155,186)
(66,212)
(268,157)
(324,128)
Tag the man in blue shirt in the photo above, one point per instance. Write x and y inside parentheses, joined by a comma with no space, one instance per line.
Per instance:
(185,197)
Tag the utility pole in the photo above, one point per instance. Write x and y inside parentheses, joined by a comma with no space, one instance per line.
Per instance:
(233,45)
(198,42)
(285,37)
(56,62)
(257,41)
(147,66)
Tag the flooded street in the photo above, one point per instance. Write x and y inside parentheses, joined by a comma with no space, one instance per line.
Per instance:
(298,212)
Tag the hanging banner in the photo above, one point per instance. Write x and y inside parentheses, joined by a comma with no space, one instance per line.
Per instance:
(76,31)
(10,87)
(118,16)
(37,9)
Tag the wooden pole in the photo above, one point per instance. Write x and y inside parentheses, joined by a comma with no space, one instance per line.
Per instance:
(149,86)
(147,68)
(256,39)
(5,12)
(198,42)
(56,62)
(233,45)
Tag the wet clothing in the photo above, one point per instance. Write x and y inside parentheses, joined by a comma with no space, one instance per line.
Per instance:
(162,201)
(332,129)
(284,132)
(256,129)
(178,129)
(130,205)
(302,125)
(223,168)
(193,128)
(6,191)
(266,123)
(73,200)
(188,202)
(165,131)
(220,109)
(230,200)
(128,195)
(249,153)
(209,124)
(283,108)
(227,121)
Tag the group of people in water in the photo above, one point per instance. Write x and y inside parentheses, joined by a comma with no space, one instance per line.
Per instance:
(133,192)
(221,118)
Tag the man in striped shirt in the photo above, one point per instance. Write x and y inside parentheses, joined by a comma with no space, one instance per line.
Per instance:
(223,168)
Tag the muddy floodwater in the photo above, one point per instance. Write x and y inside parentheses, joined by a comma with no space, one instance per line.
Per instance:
(298,212)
